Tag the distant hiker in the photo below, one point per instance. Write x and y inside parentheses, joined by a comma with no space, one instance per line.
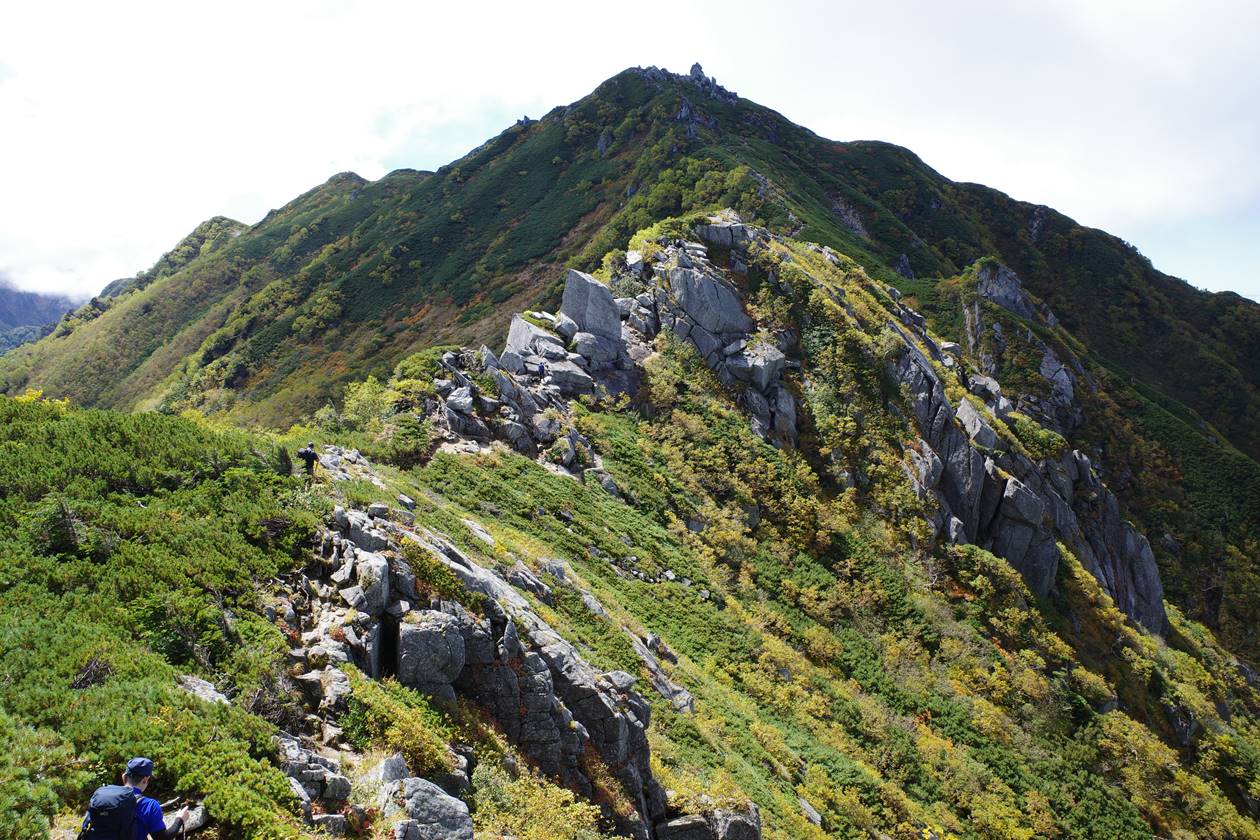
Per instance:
(123,812)
(309,456)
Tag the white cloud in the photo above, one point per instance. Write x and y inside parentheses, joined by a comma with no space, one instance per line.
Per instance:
(126,124)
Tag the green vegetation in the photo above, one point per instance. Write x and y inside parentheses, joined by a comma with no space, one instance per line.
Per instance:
(351,277)
(1037,440)
(394,718)
(435,579)
(893,691)
(1195,495)
(134,545)
(832,655)
(528,808)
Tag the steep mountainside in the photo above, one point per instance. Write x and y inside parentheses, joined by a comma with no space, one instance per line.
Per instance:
(24,309)
(733,545)
(266,324)
(366,272)
(27,316)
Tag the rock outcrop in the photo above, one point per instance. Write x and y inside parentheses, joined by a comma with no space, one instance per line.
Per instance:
(595,345)
(1056,405)
(985,490)
(701,304)
(430,652)
(554,705)
(547,698)
(364,606)
(999,284)
(431,813)
(590,306)
(718,824)
(991,495)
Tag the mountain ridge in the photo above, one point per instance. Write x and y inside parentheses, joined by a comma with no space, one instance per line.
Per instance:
(272,322)
(890,233)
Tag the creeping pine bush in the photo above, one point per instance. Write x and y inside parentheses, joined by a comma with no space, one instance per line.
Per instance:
(433,578)
(406,442)
(133,543)
(396,718)
(34,763)
(528,807)
(1038,440)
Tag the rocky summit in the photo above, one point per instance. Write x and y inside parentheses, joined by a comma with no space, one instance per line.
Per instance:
(677,475)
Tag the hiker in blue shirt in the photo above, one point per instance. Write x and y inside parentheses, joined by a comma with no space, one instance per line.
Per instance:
(123,812)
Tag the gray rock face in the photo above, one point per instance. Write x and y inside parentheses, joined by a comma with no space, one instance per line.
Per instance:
(570,379)
(549,700)
(634,262)
(736,825)
(978,429)
(726,233)
(1018,509)
(372,573)
(785,415)
(598,349)
(461,400)
(1055,407)
(759,411)
(810,812)
(1061,408)
(391,769)
(678,697)
(202,690)
(336,688)
(720,824)
(1119,556)
(589,303)
(466,425)
(1184,724)
(902,267)
(703,308)
(333,824)
(985,387)
(690,827)
(359,529)
(336,787)
(430,650)
(710,301)
(432,814)
(566,326)
(523,578)
(765,363)
(525,339)
(311,776)
(997,283)
(299,791)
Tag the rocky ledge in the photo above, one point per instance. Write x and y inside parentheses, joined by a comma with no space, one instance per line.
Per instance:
(360,604)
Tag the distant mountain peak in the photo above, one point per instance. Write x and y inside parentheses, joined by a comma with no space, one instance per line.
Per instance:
(707,85)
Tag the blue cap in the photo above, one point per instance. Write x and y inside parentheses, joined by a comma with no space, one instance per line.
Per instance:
(140,768)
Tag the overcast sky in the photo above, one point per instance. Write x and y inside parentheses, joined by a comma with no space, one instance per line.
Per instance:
(124,124)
